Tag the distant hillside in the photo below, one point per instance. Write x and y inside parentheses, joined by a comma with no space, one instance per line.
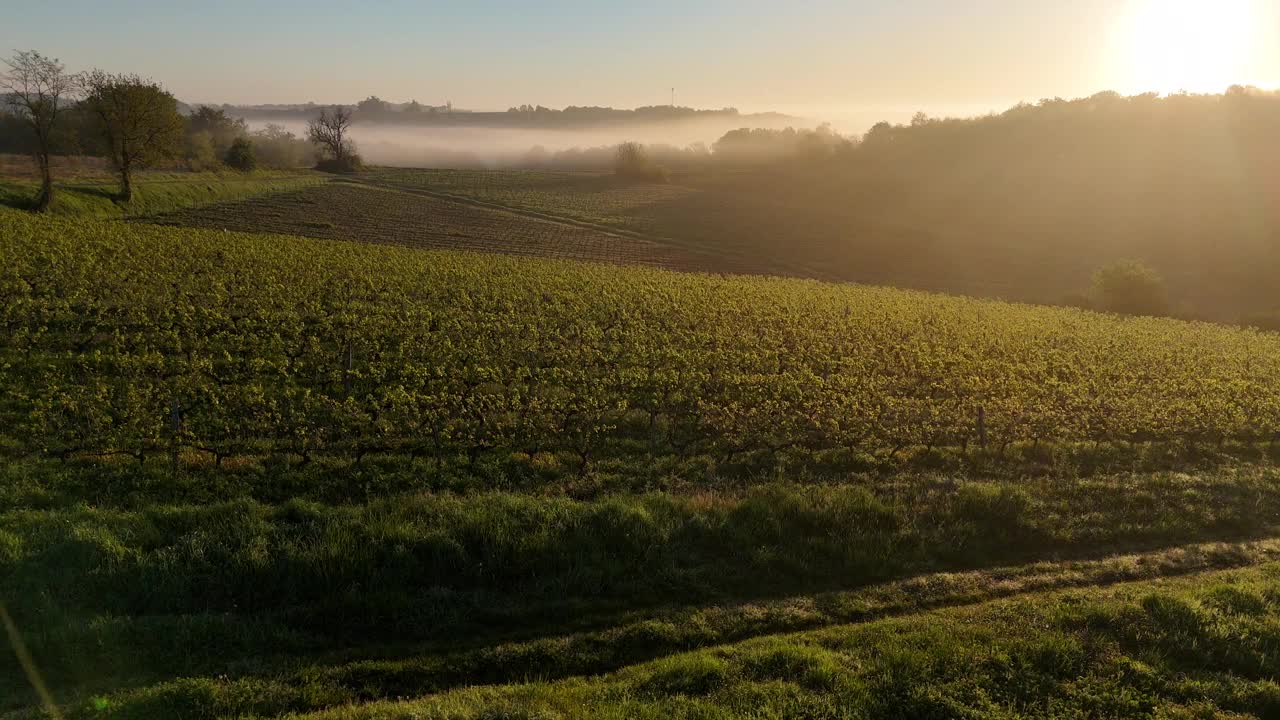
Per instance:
(1022,205)
(1025,204)
(1041,195)
(377,111)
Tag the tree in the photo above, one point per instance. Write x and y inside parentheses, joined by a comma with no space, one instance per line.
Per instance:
(201,153)
(329,131)
(240,155)
(275,146)
(373,106)
(138,121)
(37,87)
(631,160)
(222,129)
(1130,288)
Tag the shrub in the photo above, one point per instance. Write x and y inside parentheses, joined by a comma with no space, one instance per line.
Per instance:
(240,155)
(1130,288)
(348,163)
(632,161)
(201,154)
(276,147)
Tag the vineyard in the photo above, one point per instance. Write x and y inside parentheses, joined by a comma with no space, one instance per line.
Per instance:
(251,475)
(137,340)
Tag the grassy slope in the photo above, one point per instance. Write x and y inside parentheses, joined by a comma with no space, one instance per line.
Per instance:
(157,192)
(422,592)
(1200,648)
(1147,643)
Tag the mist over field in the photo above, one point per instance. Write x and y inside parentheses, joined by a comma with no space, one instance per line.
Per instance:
(473,146)
(485,140)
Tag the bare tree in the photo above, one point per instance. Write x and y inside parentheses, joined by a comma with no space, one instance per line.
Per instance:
(330,130)
(138,120)
(37,88)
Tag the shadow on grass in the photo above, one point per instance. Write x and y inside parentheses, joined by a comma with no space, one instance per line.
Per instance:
(23,198)
(105,192)
(329,678)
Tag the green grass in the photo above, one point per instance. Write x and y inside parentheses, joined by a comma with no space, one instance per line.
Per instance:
(1204,648)
(1163,647)
(116,599)
(156,192)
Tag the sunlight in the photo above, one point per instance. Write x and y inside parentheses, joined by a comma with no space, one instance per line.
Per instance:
(1193,45)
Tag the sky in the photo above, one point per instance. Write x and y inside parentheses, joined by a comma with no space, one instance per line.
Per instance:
(848,60)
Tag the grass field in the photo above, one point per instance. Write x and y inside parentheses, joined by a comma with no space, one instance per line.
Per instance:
(252,475)
(1170,650)
(93,194)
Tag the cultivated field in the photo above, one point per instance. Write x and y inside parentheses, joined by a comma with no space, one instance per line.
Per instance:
(592,197)
(249,475)
(349,211)
(776,222)
(945,234)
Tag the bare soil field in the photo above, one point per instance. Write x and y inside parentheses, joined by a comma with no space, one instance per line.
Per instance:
(347,211)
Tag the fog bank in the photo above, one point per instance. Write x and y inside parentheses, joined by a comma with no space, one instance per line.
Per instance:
(491,147)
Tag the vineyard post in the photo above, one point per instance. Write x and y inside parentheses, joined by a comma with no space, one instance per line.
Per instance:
(175,422)
(982,427)
(346,370)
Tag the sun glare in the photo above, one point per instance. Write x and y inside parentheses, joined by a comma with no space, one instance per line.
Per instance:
(1193,45)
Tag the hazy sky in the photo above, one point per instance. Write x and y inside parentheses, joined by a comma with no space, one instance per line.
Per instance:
(820,57)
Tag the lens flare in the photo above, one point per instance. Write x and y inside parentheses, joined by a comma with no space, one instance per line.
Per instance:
(1192,45)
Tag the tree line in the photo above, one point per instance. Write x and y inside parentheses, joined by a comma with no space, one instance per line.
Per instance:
(1144,204)
(377,111)
(132,121)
